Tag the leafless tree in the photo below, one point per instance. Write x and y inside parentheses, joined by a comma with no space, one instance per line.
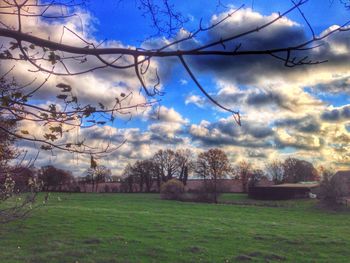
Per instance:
(144,174)
(213,164)
(333,188)
(167,163)
(296,170)
(186,163)
(244,172)
(276,171)
(162,16)
(54,179)
(96,175)
(257,175)
(127,182)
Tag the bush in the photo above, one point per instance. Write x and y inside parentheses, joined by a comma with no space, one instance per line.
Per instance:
(203,194)
(77,189)
(172,190)
(198,196)
(115,189)
(206,193)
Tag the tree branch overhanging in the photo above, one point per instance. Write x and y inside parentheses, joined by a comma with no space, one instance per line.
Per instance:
(57,57)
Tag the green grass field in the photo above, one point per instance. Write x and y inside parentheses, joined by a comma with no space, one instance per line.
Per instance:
(143,228)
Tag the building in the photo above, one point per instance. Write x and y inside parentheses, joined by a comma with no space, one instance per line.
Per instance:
(283,191)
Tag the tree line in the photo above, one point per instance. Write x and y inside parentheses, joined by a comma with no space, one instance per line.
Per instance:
(148,175)
(213,164)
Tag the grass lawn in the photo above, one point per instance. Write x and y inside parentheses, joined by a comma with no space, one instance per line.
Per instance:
(143,228)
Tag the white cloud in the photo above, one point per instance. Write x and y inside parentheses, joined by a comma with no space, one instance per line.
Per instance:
(196,100)
(277,112)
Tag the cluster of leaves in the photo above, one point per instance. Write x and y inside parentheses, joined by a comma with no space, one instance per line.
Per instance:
(58,119)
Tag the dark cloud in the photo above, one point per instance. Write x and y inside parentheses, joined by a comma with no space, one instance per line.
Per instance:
(257,99)
(311,127)
(221,133)
(338,86)
(333,115)
(257,131)
(336,115)
(275,97)
(300,142)
(250,69)
(221,141)
(307,124)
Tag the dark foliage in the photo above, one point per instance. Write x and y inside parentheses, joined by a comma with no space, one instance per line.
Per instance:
(55,179)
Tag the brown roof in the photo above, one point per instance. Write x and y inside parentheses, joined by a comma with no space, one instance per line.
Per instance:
(299,185)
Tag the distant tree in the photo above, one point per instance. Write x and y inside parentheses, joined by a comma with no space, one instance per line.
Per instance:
(22,177)
(127,182)
(213,164)
(142,173)
(333,187)
(149,170)
(96,175)
(244,173)
(296,170)
(185,160)
(138,174)
(276,170)
(157,174)
(54,178)
(167,163)
(256,176)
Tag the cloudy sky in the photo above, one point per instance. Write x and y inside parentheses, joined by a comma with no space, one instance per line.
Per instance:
(302,111)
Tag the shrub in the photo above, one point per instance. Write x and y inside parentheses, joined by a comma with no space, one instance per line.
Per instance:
(198,196)
(203,194)
(172,190)
(77,189)
(115,189)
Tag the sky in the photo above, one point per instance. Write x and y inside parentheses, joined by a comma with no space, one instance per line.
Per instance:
(301,112)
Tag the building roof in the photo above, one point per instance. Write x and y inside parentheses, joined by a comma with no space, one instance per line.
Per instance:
(298,185)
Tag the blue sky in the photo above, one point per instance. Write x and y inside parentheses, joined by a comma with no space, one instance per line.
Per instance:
(303,112)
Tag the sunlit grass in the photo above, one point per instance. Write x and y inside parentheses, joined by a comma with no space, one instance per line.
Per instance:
(143,228)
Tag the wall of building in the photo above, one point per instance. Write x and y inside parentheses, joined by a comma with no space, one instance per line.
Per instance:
(224,185)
